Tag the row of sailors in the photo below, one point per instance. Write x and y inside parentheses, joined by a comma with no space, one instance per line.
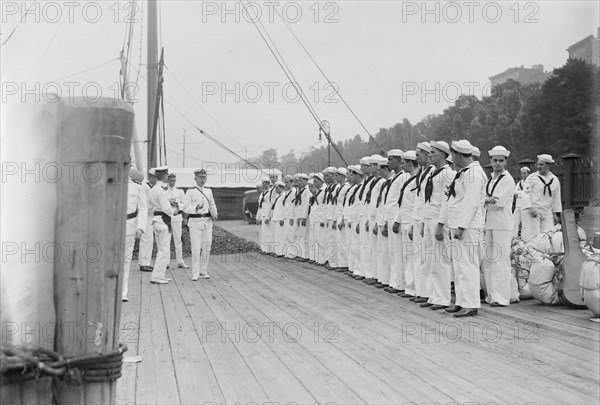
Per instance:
(411,224)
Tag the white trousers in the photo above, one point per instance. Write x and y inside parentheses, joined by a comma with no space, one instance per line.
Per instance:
(517,218)
(176,227)
(465,255)
(395,258)
(146,244)
(266,235)
(332,247)
(201,241)
(289,250)
(350,246)
(302,242)
(163,239)
(367,267)
(419,270)
(279,237)
(532,227)
(382,258)
(129,242)
(409,251)
(341,246)
(439,267)
(496,266)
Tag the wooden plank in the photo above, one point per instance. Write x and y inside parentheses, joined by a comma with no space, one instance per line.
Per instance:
(195,376)
(480,356)
(155,374)
(129,333)
(235,378)
(349,355)
(277,381)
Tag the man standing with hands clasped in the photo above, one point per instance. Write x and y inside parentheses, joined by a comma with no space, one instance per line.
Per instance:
(462,212)
(199,203)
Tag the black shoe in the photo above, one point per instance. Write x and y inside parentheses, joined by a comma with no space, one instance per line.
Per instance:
(404,295)
(496,304)
(391,290)
(371,281)
(426,305)
(146,268)
(420,300)
(435,307)
(379,285)
(359,278)
(466,312)
(341,269)
(454,309)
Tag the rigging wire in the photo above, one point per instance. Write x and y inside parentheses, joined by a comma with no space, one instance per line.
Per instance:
(48,46)
(293,80)
(19,23)
(86,70)
(209,115)
(327,78)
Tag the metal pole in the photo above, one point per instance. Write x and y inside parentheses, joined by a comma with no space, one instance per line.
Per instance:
(152,68)
(184,148)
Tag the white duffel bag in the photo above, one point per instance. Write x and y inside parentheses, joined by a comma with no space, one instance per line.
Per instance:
(589,282)
(542,282)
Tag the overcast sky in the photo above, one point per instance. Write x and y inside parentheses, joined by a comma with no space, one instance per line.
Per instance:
(390,60)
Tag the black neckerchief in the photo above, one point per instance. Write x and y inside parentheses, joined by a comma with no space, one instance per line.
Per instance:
(382,190)
(298,198)
(520,185)
(451,189)
(547,185)
(404,188)
(487,186)
(373,184)
(360,195)
(390,185)
(353,196)
(421,175)
(348,192)
(287,195)
(337,194)
(262,198)
(273,206)
(429,185)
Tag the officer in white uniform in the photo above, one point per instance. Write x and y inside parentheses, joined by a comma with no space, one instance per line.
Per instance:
(147,240)
(498,230)
(541,200)
(518,193)
(438,267)
(390,212)
(463,214)
(199,203)
(137,213)
(162,211)
(278,219)
(175,196)
(404,223)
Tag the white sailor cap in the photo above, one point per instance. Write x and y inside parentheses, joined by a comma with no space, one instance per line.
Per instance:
(162,169)
(383,161)
(364,160)
(329,169)
(279,183)
(409,155)
(265,179)
(152,172)
(462,146)
(355,169)
(342,171)
(476,152)
(450,159)
(288,177)
(395,152)
(318,176)
(311,182)
(545,158)
(499,151)
(303,176)
(424,146)
(440,145)
(373,160)
(199,171)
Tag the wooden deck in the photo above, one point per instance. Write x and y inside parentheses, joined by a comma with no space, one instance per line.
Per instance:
(270,330)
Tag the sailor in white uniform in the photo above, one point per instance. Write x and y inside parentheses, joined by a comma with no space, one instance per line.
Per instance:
(288,216)
(381,229)
(147,240)
(498,230)
(175,196)
(340,262)
(301,201)
(463,214)
(262,216)
(370,211)
(200,204)
(518,193)
(162,212)
(137,213)
(278,219)
(438,267)
(350,219)
(541,200)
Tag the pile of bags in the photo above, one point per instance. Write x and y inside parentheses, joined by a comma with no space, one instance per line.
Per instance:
(536,262)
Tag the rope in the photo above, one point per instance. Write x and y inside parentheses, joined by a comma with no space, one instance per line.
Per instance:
(27,362)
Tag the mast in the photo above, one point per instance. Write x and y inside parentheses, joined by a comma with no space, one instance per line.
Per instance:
(152,69)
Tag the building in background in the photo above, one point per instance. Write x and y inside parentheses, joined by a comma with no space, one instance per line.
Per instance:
(523,75)
(588,49)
